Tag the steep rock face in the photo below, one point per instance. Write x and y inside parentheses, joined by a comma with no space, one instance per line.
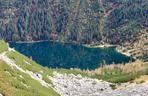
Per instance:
(82,21)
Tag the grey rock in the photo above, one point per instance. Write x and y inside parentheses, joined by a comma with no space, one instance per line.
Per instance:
(76,85)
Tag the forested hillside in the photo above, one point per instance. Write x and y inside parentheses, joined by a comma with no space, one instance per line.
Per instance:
(81,21)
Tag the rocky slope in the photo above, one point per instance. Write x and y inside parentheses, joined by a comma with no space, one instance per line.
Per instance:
(138,49)
(76,85)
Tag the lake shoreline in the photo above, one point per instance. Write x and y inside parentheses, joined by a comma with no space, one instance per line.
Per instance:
(117,47)
(21,42)
(99,46)
(61,55)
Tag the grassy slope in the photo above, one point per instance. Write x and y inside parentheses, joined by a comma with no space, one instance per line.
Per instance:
(13,78)
(120,73)
(5,86)
(17,85)
(3,46)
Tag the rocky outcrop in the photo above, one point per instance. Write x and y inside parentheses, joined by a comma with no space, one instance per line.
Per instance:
(72,85)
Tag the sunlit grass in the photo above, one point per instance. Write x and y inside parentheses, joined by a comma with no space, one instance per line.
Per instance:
(5,86)
(3,46)
(121,72)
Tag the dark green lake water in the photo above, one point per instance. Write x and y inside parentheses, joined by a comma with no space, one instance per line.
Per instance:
(60,55)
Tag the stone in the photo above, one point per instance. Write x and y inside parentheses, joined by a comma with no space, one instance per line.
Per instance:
(76,85)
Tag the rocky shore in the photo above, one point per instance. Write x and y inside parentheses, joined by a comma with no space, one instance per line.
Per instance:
(76,85)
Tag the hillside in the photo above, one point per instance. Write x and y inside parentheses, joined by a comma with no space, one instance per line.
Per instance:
(138,49)
(81,21)
(20,76)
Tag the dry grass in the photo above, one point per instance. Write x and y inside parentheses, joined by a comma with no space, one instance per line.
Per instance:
(142,79)
(5,87)
(124,68)
(121,73)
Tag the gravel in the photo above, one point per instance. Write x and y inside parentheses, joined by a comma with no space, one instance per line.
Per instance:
(76,85)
